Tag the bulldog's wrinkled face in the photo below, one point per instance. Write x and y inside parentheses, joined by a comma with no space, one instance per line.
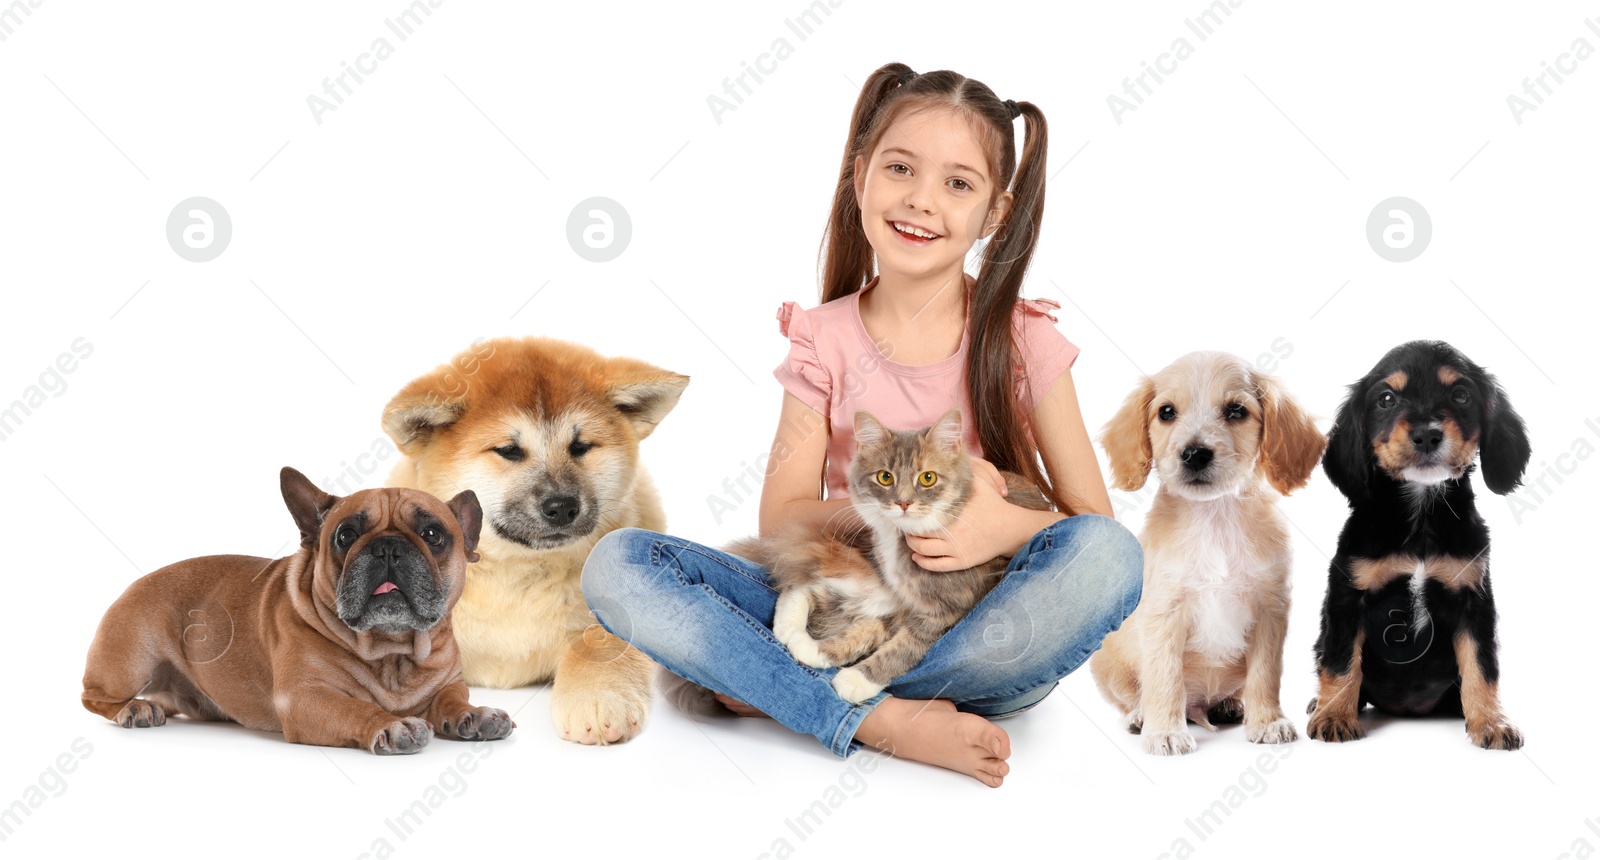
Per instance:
(397,558)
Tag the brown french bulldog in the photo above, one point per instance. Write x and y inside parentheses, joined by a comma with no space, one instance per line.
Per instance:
(345,643)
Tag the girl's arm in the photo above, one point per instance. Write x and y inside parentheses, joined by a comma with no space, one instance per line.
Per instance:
(791,492)
(1066,449)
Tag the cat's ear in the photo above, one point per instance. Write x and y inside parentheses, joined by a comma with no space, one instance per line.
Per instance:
(868,430)
(946,432)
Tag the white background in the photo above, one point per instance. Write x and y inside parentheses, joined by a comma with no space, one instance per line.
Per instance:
(1228,211)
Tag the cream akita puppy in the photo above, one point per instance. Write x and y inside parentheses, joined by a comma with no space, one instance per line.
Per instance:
(546,433)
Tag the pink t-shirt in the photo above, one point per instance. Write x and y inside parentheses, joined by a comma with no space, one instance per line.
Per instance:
(835,368)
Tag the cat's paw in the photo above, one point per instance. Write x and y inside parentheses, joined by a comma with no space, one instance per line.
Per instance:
(854,687)
(790,616)
(804,650)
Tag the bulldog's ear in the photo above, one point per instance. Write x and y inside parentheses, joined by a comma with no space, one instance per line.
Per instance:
(307,504)
(469,513)
(642,392)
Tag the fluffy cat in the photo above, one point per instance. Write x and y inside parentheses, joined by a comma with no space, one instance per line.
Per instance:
(861,602)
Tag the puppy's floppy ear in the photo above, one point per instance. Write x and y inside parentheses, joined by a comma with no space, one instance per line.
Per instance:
(946,432)
(1291,445)
(1504,449)
(1126,438)
(642,392)
(469,514)
(1348,460)
(307,504)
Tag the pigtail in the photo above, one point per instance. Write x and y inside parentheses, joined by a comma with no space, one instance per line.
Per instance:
(992,357)
(846,256)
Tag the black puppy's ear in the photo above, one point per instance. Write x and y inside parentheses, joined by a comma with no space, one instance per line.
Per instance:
(306,503)
(469,513)
(1347,460)
(1504,450)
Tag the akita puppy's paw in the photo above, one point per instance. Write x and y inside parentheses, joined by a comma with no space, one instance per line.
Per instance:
(1499,734)
(1169,742)
(1335,728)
(587,715)
(1133,721)
(854,687)
(140,714)
(1279,731)
(402,737)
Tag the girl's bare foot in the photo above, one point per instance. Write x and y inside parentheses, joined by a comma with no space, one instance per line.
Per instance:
(936,733)
(738,707)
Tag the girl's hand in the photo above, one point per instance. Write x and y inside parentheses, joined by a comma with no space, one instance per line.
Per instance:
(987,528)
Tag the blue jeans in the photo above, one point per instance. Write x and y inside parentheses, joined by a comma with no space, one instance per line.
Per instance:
(707,616)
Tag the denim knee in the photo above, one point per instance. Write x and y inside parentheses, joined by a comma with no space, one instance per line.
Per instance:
(1108,564)
(607,572)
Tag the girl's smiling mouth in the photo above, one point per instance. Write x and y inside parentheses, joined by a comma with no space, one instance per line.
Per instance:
(912,233)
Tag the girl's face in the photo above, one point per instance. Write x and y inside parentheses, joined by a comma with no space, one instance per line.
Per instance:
(926,193)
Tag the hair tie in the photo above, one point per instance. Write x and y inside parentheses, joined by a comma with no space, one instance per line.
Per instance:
(1012,107)
(907,77)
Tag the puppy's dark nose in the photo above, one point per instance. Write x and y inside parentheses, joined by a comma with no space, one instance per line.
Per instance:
(387,549)
(1195,458)
(560,510)
(1426,440)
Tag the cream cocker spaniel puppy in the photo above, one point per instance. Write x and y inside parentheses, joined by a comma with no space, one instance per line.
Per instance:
(1206,641)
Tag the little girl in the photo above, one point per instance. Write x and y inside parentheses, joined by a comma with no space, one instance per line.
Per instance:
(928,170)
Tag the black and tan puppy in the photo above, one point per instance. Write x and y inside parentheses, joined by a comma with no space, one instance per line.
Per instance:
(346,643)
(1409,619)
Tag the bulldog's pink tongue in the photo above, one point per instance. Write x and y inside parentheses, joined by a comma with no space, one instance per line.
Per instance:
(384,588)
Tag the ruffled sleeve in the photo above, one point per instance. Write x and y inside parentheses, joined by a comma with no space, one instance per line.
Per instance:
(1043,353)
(802,372)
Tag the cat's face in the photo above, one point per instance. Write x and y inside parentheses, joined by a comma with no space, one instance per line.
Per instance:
(914,480)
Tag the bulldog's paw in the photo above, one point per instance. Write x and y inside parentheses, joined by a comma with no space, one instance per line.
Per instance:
(1279,731)
(141,713)
(597,716)
(1178,742)
(478,724)
(1335,728)
(1500,734)
(854,686)
(401,737)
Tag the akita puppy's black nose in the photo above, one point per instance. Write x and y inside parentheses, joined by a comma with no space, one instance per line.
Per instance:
(560,510)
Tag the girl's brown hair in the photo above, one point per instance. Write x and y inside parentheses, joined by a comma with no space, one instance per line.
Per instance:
(847,263)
